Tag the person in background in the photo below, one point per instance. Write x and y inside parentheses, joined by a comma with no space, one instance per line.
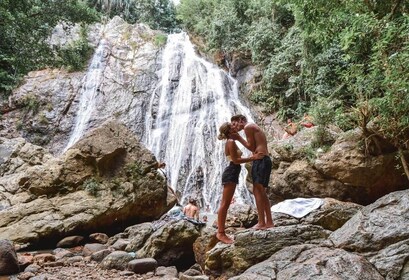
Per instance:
(191,210)
(290,129)
(307,121)
(256,142)
(230,177)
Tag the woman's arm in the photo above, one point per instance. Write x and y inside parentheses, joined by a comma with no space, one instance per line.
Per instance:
(236,159)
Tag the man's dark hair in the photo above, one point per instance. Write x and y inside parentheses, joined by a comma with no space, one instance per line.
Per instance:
(238,118)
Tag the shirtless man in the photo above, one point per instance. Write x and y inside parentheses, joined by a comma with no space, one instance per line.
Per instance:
(261,169)
(191,210)
(290,129)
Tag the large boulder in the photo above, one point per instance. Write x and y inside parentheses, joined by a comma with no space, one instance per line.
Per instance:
(346,172)
(251,247)
(106,181)
(8,258)
(171,244)
(310,262)
(380,231)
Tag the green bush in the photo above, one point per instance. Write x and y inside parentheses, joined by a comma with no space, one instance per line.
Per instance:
(75,56)
(92,186)
(160,39)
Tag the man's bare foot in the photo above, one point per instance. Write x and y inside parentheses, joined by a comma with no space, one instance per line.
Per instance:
(258,226)
(269,226)
(224,238)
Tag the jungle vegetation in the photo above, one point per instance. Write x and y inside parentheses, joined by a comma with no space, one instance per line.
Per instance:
(347,60)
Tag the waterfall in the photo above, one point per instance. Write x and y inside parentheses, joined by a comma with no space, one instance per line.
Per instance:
(192,100)
(89,92)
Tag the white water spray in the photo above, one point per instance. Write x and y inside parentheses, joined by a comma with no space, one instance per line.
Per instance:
(89,91)
(192,100)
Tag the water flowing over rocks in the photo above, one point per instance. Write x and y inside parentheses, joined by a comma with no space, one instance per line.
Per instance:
(121,78)
(171,98)
(97,184)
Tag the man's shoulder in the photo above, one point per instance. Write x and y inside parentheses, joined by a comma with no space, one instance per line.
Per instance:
(251,126)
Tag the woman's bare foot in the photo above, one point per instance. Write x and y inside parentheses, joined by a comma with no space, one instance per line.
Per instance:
(258,226)
(224,238)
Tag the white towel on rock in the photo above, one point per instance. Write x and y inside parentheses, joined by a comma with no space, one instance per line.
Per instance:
(298,207)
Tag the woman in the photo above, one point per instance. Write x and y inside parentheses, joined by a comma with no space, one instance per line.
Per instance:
(230,177)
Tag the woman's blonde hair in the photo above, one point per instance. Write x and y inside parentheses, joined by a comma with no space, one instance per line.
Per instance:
(224,131)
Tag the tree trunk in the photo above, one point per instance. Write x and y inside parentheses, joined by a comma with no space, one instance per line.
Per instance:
(404,162)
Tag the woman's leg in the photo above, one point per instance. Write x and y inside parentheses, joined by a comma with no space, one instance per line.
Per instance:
(228,192)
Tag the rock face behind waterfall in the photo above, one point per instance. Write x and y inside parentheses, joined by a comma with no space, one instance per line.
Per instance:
(44,109)
(106,181)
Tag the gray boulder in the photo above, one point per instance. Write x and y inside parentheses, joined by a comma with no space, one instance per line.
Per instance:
(8,258)
(310,262)
(380,231)
(61,196)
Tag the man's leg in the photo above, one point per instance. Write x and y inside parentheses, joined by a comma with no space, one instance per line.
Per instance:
(267,210)
(258,190)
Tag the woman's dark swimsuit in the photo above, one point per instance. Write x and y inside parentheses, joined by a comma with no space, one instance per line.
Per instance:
(231,173)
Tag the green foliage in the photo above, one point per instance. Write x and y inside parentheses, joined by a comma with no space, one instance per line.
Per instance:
(350,52)
(25,26)
(323,112)
(158,14)
(134,171)
(92,186)
(160,39)
(31,104)
(76,55)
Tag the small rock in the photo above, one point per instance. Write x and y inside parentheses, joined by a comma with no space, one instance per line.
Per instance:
(25,275)
(116,260)
(169,272)
(99,238)
(197,277)
(120,244)
(39,277)
(126,273)
(8,258)
(75,259)
(61,253)
(192,272)
(100,255)
(141,266)
(91,248)
(34,268)
(24,260)
(70,241)
(42,258)
(54,264)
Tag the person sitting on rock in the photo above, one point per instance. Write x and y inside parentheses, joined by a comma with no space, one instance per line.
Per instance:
(290,129)
(191,210)
(307,121)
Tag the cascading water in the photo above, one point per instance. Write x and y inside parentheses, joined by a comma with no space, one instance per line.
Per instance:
(192,100)
(89,91)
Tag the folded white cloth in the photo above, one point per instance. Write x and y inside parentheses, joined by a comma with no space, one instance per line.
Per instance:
(298,207)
